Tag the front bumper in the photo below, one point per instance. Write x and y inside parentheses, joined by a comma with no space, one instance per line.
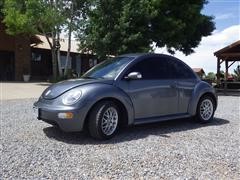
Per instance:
(49,114)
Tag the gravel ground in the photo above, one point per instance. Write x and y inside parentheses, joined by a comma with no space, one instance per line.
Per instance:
(32,149)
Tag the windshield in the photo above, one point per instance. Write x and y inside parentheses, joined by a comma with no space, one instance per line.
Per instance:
(108,69)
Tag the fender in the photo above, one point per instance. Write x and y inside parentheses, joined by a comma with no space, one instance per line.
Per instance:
(93,93)
(200,89)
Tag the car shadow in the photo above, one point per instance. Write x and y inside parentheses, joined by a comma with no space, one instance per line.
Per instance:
(161,129)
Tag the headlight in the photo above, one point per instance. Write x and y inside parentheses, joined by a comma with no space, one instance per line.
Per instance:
(71,96)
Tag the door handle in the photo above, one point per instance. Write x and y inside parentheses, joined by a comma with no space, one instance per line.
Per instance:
(173,86)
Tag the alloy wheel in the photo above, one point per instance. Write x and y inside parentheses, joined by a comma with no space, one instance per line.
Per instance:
(109,121)
(206,109)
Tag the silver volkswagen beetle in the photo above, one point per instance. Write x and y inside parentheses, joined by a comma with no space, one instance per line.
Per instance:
(127,90)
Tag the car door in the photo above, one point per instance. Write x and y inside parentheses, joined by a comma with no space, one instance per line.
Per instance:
(155,94)
(186,81)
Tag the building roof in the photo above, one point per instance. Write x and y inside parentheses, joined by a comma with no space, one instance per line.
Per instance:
(40,42)
(231,52)
(198,70)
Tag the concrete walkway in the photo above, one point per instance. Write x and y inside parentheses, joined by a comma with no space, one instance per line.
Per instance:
(21,90)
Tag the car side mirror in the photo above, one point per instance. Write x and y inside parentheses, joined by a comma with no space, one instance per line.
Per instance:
(134,76)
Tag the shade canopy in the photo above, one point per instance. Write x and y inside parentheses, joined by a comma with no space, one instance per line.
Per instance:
(229,54)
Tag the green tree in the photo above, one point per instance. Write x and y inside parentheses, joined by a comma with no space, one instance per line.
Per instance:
(211,75)
(128,26)
(75,13)
(237,73)
(1,9)
(30,17)
(47,17)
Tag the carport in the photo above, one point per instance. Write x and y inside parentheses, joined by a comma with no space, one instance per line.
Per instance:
(228,55)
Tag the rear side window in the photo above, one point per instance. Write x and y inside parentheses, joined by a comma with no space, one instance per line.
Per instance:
(181,71)
(153,68)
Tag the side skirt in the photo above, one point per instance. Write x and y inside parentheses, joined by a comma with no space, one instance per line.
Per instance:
(160,118)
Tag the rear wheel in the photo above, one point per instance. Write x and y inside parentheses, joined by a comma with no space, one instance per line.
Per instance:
(104,120)
(205,109)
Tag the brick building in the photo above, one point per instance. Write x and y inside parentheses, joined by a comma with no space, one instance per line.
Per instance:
(41,62)
(14,55)
(24,55)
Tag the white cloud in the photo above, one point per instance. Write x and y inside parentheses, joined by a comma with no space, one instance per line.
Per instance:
(224,16)
(203,56)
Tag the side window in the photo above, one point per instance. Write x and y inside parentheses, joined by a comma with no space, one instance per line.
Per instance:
(153,68)
(181,71)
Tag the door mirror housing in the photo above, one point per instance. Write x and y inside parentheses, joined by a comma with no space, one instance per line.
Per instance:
(134,76)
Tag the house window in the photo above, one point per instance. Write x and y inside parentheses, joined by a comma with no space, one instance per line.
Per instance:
(63,62)
(36,56)
(92,62)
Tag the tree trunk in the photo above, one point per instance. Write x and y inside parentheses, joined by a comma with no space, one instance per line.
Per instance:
(52,47)
(69,41)
(54,69)
(59,55)
(54,59)
(68,54)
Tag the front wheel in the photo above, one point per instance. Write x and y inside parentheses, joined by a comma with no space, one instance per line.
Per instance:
(104,120)
(205,109)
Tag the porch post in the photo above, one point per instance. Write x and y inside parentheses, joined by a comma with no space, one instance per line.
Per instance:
(218,72)
(226,75)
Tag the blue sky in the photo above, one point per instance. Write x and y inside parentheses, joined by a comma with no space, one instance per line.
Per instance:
(226,15)
(226,12)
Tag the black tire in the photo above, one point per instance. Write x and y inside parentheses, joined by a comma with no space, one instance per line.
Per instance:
(96,119)
(200,117)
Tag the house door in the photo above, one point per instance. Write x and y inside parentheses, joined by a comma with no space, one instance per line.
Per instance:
(6,66)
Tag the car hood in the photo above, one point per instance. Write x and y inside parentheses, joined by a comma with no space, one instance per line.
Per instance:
(58,89)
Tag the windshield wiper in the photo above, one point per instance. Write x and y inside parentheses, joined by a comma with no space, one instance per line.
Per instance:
(88,77)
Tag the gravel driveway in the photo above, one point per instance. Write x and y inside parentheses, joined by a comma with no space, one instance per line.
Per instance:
(32,149)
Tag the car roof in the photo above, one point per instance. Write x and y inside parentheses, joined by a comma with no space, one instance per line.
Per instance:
(139,56)
(136,55)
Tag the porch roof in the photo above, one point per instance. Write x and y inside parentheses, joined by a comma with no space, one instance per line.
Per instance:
(229,53)
(40,42)
(199,70)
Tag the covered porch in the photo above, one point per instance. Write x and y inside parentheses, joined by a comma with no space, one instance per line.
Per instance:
(228,55)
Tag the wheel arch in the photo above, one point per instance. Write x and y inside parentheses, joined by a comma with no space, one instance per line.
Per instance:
(123,110)
(201,90)
(102,92)
(212,96)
